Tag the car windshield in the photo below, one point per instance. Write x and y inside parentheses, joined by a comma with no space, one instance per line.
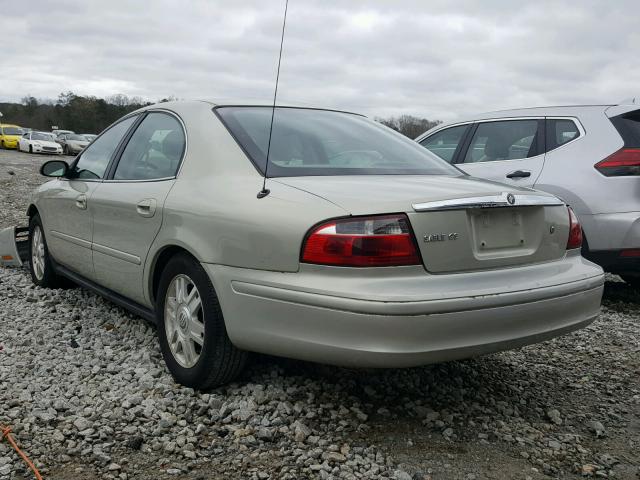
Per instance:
(322,142)
(45,137)
(78,138)
(12,131)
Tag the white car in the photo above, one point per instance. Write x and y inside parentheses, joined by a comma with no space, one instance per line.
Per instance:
(39,142)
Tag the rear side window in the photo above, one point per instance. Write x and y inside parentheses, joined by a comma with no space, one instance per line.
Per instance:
(154,150)
(560,131)
(628,126)
(503,140)
(445,142)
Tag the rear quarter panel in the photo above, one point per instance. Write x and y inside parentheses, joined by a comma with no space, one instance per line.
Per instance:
(214,213)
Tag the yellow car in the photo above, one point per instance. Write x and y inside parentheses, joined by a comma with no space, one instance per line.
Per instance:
(10,135)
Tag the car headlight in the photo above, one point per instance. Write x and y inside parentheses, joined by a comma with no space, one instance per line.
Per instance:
(36,144)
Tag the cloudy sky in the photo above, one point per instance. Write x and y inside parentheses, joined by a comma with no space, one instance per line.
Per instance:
(437,59)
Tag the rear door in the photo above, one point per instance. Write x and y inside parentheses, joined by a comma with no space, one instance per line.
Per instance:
(508,151)
(128,204)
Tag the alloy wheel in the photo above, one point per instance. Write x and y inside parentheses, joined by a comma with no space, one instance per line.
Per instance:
(37,253)
(184,321)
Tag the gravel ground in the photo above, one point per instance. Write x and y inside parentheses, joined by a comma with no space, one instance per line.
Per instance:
(84,387)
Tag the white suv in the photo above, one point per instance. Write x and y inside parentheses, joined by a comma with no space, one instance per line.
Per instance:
(587,155)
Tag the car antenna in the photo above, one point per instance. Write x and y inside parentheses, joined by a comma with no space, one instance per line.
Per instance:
(264,192)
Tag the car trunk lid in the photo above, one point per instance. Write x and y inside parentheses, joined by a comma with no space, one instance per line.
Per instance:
(460,223)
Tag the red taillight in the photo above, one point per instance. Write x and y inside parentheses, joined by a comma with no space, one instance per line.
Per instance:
(575,231)
(381,241)
(623,163)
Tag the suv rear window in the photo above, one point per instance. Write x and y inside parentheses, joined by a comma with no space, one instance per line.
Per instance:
(628,126)
(324,142)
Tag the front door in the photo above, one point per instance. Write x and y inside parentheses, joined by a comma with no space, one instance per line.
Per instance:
(128,205)
(67,212)
(507,151)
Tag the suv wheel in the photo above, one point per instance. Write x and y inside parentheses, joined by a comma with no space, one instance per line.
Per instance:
(40,266)
(191,328)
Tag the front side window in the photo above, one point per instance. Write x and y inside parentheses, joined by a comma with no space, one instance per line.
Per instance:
(503,140)
(445,142)
(321,142)
(560,131)
(94,160)
(154,150)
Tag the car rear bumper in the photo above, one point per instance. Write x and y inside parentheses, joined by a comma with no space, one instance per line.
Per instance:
(404,317)
(612,231)
(622,262)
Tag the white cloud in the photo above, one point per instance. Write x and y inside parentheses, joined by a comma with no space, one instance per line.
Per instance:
(437,59)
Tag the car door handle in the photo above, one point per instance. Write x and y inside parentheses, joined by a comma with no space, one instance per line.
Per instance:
(519,174)
(146,207)
(81,202)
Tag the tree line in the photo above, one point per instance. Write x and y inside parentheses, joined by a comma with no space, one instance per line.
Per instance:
(89,114)
(85,114)
(409,125)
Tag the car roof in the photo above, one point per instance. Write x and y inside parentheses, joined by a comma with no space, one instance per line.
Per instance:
(545,111)
(179,105)
(9,125)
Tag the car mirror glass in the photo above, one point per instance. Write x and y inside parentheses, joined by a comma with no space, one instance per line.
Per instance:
(54,168)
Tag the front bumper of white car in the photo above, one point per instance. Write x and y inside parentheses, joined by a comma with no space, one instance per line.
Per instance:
(403,316)
(46,149)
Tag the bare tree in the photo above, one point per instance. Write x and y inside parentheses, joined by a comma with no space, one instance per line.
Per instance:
(409,125)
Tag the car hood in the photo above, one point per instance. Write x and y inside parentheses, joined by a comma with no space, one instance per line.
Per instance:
(11,137)
(46,143)
(78,143)
(371,194)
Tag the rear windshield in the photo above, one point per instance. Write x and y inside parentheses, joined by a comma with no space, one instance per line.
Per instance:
(628,126)
(321,142)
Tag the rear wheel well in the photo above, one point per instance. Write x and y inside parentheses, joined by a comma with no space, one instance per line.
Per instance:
(161,261)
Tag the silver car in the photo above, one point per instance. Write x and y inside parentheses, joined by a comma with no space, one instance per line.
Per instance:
(587,155)
(72,143)
(359,248)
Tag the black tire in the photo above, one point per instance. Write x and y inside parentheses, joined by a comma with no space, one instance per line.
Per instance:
(2,144)
(219,360)
(48,279)
(65,150)
(30,149)
(632,280)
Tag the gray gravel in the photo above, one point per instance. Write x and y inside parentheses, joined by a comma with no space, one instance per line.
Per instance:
(84,387)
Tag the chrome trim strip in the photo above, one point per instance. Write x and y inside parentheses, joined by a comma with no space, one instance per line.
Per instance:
(489,201)
(71,239)
(112,252)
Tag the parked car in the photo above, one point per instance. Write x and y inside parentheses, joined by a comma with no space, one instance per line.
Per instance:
(587,155)
(38,142)
(9,135)
(343,243)
(72,143)
(56,133)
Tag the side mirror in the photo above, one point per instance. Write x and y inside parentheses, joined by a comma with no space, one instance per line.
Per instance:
(54,168)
